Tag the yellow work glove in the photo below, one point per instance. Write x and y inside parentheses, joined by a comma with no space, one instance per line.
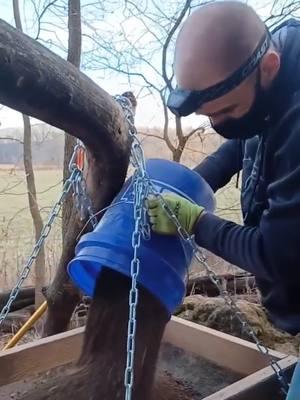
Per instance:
(186,212)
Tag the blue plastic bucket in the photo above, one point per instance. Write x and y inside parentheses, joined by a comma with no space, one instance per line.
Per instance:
(294,390)
(164,261)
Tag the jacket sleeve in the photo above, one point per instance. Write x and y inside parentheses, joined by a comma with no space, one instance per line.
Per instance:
(270,250)
(218,168)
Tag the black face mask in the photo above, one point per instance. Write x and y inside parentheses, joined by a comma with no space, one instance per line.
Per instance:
(253,122)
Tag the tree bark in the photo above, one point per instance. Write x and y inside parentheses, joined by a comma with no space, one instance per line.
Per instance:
(39,83)
(24,294)
(62,308)
(31,189)
(74,56)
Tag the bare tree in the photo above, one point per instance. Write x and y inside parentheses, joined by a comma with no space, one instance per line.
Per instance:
(31,188)
(144,57)
(280,10)
(71,295)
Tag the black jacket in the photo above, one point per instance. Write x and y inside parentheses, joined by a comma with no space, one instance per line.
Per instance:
(268,245)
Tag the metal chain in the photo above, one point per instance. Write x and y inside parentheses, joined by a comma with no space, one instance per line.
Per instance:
(82,200)
(139,196)
(141,229)
(137,158)
(44,234)
(200,257)
(77,182)
(138,161)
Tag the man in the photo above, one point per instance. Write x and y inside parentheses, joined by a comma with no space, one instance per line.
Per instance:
(230,68)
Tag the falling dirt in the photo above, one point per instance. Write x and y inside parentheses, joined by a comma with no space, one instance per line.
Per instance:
(160,372)
(178,376)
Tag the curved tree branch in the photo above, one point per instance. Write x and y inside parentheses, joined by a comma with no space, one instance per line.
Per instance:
(51,3)
(39,83)
(168,40)
(27,68)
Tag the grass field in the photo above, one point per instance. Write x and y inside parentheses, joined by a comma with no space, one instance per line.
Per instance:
(16,229)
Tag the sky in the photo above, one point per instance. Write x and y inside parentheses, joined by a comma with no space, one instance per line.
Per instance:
(149,111)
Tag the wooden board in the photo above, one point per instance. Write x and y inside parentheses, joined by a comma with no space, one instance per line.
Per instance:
(23,361)
(227,351)
(262,385)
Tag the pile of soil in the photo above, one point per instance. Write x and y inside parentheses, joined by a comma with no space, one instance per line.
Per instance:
(214,313)
(180,376)
(67,385)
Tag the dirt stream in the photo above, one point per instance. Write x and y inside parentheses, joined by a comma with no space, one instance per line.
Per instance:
(99,374)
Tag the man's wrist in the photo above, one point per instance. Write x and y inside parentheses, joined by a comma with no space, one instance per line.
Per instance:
(201,212)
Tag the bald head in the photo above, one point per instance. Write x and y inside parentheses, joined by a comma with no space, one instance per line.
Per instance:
(214,41)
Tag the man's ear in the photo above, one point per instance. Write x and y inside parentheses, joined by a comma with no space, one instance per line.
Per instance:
(270,66)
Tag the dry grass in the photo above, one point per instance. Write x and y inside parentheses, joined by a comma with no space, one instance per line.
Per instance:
(16,229)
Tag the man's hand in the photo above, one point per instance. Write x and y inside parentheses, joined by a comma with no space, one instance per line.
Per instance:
(186,212)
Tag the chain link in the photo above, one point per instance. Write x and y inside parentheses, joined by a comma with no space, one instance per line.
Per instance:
(139,196)
(44,234)
(138,161)
(82,200)
(83,203)
(141,229)
(200,257)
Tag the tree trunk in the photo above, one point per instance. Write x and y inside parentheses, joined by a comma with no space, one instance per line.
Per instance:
(177,153)
(74,56)
(39,83)
(35,212)
(26,294)
(61,308)
(31,189)
(62,295)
